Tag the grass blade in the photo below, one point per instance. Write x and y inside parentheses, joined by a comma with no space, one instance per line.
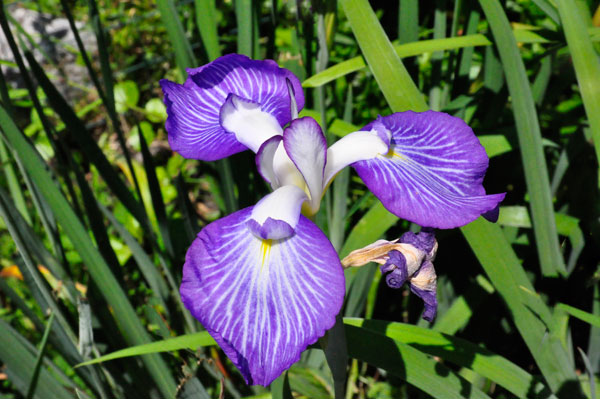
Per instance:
(13,183)
(184,57)
(280,388)
(408,363)
(207,23)
(531,316)
(530,140)
(133,331)
(103,54)
(549,9)
(20,365)
(40,358)
(86,143)
(157,198)
(455,350)
(428,46)
(586,64)
(244,16)
(580,314)
(408,21)
(189,341)
(375,45)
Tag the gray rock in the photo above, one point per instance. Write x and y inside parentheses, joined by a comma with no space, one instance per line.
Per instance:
(56,49)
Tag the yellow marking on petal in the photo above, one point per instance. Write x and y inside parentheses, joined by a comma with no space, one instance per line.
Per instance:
(393,154)
(399,156)
(265,250)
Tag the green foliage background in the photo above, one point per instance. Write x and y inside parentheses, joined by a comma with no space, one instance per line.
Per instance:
(96,212)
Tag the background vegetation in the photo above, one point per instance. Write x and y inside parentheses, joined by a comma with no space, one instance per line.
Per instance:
(96,212)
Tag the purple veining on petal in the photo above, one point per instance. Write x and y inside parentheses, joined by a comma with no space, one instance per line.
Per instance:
(263,301)
(395,269)
(434,172)
(193,128)
(271,229)
(263,82)
(193,108)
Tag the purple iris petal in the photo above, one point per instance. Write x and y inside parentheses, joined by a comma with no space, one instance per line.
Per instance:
(424,240)
(193,108)
(424,285)
(264,301)
(433,173)
(271,228)
(395,269)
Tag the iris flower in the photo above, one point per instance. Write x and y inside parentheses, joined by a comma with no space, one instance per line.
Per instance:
(264,281)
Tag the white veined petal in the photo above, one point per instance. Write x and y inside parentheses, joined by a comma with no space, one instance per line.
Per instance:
(306,146)
(263,301)
(264,160)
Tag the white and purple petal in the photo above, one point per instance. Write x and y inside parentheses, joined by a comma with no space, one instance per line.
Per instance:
(193,109)
(306,146)
(248,122)
(354,147)
(193,127)
(263,301)
(276,215)
(264,160)
(433,172)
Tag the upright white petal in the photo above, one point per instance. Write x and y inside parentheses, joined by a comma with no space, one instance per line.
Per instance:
(251,125)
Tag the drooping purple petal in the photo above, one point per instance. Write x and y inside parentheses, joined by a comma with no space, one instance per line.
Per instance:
(193,108)
(424,284)
(433,172)
(306,146)
(263,301)
(395,269)
(424,240)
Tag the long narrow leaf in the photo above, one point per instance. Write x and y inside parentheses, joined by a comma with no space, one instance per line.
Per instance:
(156,194)
(87,144)
(40,358)
(181,46)
(586,63)
(132,329)
(207,26)
(456,350)
(189,341)
(530,314)
(426,46)
(20,364)
(530,140)
(409,364)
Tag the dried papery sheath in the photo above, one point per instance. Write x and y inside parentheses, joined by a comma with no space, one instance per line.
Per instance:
(407,259)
